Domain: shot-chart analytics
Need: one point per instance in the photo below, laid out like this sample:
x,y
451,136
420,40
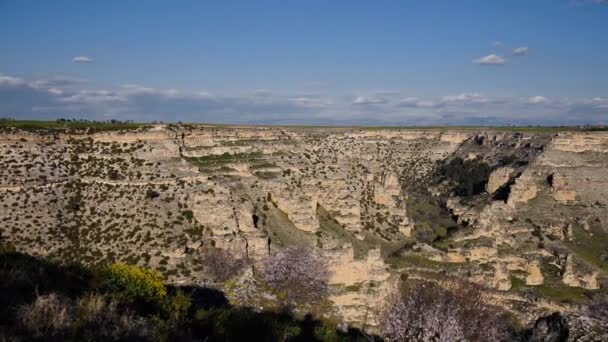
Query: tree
x,y
298,272
452,311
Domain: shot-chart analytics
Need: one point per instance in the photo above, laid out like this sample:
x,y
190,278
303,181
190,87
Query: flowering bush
x,y
132,282
299,273
451,312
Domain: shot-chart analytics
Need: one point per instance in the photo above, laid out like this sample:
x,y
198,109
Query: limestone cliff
x,y
371,199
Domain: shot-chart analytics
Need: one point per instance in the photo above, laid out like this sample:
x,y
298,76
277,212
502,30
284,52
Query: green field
x,y
35,125
108,126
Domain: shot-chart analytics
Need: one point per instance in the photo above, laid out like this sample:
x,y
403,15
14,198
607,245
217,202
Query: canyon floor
x,y
521,212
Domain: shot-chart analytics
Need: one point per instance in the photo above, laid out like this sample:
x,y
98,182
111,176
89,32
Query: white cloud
x,y
538,100
43,99
418,103
57,81
82,59
490,60
11,81
363,100
55,91
521,51
466,98
596,102
94,97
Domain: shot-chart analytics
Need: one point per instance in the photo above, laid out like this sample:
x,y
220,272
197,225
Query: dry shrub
x,y
93,315
47,315
102,317
452,311
298,272
222,265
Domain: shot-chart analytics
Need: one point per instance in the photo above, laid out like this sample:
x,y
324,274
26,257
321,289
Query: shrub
x,y
132,282
176,306
188,214
299,273
97,317
151,194
48,315
451,312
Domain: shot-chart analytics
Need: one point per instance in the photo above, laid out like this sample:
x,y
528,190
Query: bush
x,y
151,194
92,317
451,312
47,316
299,273
176,306
97,317
132,282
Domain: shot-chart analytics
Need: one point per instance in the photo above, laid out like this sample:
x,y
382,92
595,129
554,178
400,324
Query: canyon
x,y
521,212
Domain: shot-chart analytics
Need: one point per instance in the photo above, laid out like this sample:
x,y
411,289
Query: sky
x,y
380,62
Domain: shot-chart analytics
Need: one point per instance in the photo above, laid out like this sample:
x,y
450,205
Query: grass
x,y
106,126
282,231
35,125
555,291
267,175
591,248
330,227
531,129
421,261
225,158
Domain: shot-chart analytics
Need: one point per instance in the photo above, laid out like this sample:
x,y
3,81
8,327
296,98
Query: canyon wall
x,y
370,200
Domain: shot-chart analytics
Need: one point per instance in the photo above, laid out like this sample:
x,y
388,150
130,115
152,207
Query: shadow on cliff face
x,y
432,221
43,301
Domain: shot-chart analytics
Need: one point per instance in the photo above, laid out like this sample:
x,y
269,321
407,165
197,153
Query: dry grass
x,y
93,315
47,315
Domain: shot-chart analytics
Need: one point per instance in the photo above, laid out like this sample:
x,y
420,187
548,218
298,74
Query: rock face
x,y
370,199
499,178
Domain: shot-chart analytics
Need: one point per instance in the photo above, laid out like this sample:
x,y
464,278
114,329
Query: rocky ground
x,y
521,213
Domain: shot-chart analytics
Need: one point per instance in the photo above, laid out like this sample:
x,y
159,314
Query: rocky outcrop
x,y
158,196
499,178
576,278
524,189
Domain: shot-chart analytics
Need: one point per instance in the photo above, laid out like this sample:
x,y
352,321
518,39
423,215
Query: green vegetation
x,y
132,282
592,246
422,262
47,301
467,177
63,125
433,222
226,158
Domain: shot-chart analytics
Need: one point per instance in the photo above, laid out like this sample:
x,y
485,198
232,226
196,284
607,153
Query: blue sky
x,y
307,62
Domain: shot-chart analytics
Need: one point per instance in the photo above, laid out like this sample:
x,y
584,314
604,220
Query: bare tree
x,y
452,312
299,272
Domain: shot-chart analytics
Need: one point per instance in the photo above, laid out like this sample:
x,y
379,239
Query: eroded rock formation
x,y
370,199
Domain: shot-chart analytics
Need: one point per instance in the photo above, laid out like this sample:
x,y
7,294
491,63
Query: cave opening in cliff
x,y
550,180
255,219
